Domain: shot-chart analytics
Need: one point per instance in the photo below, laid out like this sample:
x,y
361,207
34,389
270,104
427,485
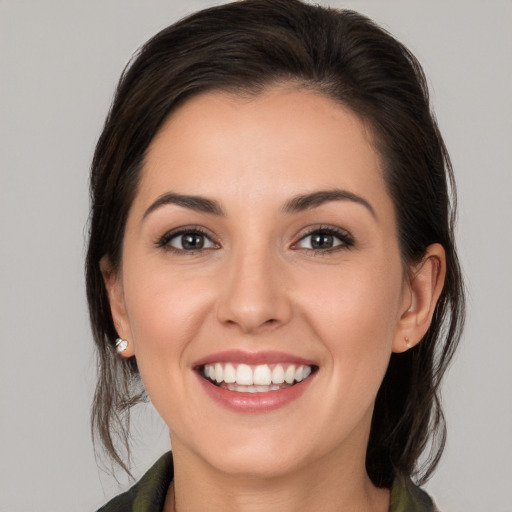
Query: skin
x,y
258,285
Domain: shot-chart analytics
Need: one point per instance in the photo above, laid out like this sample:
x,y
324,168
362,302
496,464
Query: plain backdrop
x,y
59,63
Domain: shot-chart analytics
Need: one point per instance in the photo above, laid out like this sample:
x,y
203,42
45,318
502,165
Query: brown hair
x,y
245,47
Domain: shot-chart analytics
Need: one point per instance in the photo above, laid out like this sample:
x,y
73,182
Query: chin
x,y
259,457
258,464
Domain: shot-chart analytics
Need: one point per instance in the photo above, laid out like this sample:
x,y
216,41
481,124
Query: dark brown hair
x,y
244,47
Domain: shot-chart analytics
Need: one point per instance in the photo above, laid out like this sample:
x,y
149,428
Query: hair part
x,y
244,48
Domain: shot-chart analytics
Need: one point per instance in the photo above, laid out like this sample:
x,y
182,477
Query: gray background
x,y
59,62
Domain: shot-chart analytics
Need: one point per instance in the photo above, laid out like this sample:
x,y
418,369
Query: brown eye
x,y
190,240
322,241
325,240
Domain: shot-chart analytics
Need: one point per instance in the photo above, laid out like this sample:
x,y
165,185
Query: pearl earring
x,y
407,342
121,345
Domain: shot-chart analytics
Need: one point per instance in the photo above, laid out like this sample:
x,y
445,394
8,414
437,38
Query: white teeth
x,y
262,375
219,373
244,375
255,389
260,378
289,375
229,374
278,374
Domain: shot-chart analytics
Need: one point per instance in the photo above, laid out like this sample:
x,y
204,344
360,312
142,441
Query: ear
x,y
424,289
115,295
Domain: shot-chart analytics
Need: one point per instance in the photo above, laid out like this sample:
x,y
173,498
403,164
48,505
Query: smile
x,y
255,382
261,378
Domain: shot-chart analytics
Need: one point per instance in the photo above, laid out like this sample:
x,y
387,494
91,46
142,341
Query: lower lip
x,y
255,402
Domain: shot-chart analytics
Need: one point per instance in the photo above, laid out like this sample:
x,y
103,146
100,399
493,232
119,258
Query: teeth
x,y
289,375
219,372
254,389
262,375
253,379
229,374
278,374
244,375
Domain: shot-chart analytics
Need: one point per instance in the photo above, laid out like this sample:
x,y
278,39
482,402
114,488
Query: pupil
x,y
321,241
192,241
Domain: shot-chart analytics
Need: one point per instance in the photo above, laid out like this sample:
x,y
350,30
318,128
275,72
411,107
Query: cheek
x,y
165,312
355,311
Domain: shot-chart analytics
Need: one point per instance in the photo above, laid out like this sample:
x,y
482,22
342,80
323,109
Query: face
x,y
261,286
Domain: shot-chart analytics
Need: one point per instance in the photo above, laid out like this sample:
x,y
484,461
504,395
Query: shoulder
x,y
148,494
407,497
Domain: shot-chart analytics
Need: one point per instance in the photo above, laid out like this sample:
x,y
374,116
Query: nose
x,y
254,295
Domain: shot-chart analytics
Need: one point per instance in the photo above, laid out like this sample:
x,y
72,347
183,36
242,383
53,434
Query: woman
x,y
271,254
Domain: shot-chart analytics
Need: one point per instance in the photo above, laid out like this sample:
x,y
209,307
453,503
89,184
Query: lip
x,y
252,358
253,402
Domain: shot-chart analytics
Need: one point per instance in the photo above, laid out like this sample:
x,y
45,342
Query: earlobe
x,y
114,291
425,287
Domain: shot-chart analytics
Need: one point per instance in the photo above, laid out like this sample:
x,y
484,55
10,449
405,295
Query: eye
x,y
324,240
187,240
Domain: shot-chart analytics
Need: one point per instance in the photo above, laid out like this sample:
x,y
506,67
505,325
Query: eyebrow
x,y
296,204
197,203
316,199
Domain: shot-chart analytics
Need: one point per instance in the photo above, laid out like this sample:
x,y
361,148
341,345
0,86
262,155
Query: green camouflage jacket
x,y
148,495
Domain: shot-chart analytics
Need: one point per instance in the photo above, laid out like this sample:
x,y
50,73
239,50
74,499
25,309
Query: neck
x,y
324,486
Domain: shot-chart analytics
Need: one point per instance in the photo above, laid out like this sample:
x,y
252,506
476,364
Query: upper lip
x,y
251,358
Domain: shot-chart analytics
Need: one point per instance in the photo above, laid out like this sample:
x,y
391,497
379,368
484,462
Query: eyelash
x,y
164,241
343,236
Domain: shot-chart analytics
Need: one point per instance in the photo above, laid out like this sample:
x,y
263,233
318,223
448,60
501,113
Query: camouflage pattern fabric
x,y
148,494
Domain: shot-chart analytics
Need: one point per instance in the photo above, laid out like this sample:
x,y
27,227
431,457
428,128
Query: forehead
x,y
271,145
